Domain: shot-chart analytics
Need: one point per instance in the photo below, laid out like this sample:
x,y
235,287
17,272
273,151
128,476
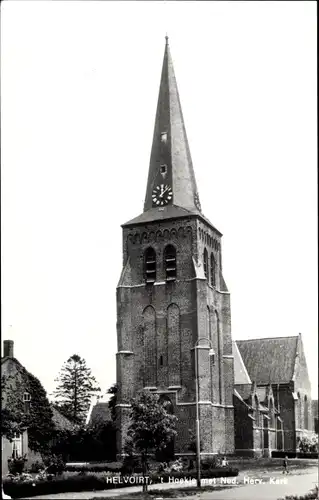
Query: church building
x,y
173,306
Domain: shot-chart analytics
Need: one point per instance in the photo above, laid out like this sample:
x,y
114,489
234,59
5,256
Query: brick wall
x,y
159,324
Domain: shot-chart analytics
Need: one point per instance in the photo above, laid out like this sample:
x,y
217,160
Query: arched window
x,y
212,270
306,411
272,423
257,414
300,424
150,265
170,263
220,358
205,260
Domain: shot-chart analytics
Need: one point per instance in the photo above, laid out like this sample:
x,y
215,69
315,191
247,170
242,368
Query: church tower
x,y
171,293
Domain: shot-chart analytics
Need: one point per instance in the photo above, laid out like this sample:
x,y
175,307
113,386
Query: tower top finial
x,y
166,39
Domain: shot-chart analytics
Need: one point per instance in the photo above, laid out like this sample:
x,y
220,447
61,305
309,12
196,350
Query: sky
x,y
79,87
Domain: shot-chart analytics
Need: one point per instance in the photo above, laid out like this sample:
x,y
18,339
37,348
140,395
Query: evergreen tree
x,y
75,388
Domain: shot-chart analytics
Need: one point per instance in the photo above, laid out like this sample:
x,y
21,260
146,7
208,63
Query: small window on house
x,y
205,259
26,402
26,397
212,270
170,263
161,361
150,265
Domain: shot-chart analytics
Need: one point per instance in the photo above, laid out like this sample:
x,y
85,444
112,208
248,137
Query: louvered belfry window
x,y
150,265
170,263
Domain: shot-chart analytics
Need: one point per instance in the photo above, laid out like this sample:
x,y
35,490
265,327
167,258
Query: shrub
x,y
308,445
309,496
35,467
176,466
54,464
16,465
210,463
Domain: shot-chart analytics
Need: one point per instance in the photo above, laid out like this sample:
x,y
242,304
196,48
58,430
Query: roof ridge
x,y
269,338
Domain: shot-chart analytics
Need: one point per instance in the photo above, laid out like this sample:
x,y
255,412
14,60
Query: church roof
x,y
170,145
171,170
168,212
241,375
269,360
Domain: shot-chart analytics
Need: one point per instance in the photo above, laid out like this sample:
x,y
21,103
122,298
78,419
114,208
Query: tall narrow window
x,y
170,263
205,259
150,265
257,414
212,270
17,446
306,410
299,412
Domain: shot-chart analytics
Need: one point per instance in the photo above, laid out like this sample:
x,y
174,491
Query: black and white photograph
x,y
159,318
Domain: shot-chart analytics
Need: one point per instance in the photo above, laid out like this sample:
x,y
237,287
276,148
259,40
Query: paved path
x,y
297,483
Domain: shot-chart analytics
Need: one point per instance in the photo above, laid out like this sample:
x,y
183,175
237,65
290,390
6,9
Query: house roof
x,y
60,421
7,358
100,413
269,360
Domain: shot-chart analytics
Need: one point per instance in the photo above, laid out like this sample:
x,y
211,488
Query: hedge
x,y
283,454
90,482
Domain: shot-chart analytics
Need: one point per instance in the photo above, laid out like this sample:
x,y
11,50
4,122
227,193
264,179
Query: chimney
x,y
8,348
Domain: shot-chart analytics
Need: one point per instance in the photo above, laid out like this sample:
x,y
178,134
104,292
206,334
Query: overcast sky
x,y
79,86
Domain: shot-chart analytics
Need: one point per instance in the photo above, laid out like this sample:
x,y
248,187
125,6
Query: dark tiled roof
x,y
100,413
270,360
60,421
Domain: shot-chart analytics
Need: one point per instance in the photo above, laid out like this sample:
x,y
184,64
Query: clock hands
x,y
163,192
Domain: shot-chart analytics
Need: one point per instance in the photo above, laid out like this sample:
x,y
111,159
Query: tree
x,y
152,427
113,400
76,385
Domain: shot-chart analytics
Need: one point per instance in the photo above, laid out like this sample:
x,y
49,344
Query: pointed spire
x,y
171,179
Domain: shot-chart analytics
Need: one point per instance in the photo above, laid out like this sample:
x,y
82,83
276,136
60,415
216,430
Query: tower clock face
x,y
162,194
